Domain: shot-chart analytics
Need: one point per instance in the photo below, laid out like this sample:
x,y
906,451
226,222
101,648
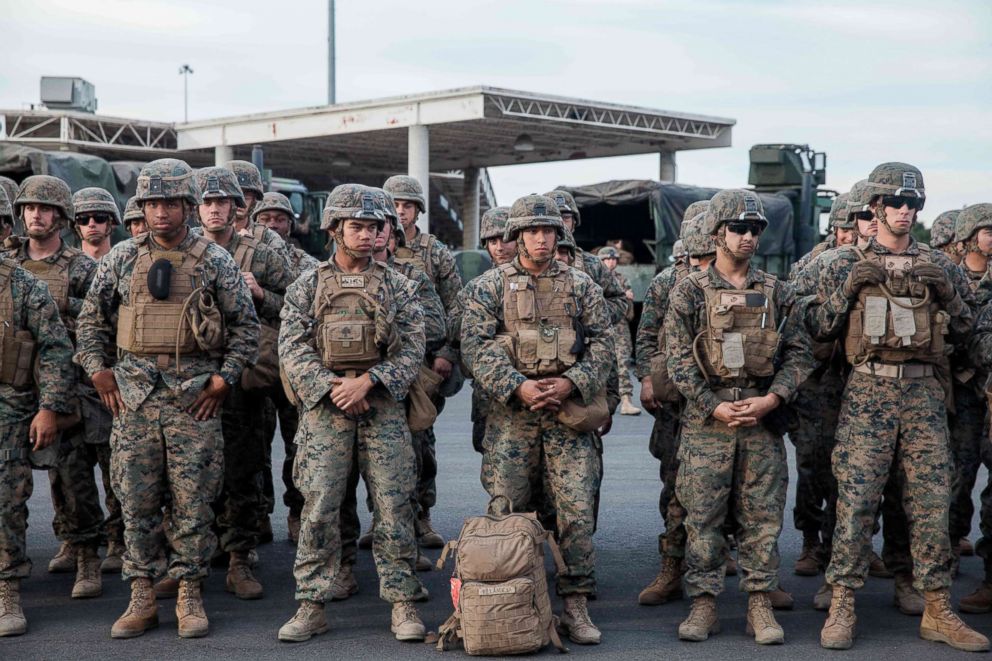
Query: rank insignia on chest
x,y
898,263
732,300
353,281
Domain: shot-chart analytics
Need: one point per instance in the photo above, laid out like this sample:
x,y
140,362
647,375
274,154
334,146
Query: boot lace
x,y
580,616
7,600
761,613
699,614
842,610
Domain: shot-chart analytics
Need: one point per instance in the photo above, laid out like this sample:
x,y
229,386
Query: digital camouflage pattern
x,y
403,187
621,340
249,178
732,204
695,209
167,178
522,447
81,270
971,219
132,211
45,189
566,204
220,183
493,224
6,209
696,242
95,200
446,280
942,230
895,179
839,217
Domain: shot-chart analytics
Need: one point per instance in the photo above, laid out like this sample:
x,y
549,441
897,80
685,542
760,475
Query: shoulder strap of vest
x,y
199,247
244,252
700,278
424,241
258,232
926,253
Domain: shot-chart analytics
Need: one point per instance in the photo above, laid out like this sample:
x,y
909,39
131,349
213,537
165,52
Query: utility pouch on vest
x,y
582,417
18,356
206,323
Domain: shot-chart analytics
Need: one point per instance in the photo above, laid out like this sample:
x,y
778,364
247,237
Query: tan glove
x,y
934,277
862,274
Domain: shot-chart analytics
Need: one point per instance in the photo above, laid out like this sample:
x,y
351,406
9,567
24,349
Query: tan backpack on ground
x,y
499,587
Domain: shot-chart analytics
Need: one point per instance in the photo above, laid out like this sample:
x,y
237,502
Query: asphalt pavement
x,y
627,559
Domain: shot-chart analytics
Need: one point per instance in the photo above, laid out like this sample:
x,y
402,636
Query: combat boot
x,y
965,547
89,581
907,599
141,614
781,600
114,562
406,623
192,618
64,561
293,528
576,622
627,407
12,620
942,625
667,585
240,579
426,535
702,621
344,584
167,588
809,562
979,601
365,541
423,562
840,628
821,600
877,568
308,621
761,620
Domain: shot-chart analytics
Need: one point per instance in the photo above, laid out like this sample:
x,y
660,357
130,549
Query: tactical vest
x,y
418,253
351,327
147,325
244,252
899,321
17,346
55,275
538,322
740,334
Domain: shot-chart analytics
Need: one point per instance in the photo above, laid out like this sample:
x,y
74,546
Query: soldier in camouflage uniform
x,y
610,258
431,256
10,188
942,235
892,303
186,328
351,345
134,218
44,204
6,217
244,414
736,353
31,328
536,337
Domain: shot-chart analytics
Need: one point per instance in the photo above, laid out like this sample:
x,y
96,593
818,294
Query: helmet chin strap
x,y
880,215
721,243
56,227
339,241
522,249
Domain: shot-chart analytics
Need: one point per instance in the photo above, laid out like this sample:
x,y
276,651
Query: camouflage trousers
x,y
721,470
327,441
984,546
525,448
279,410
16,486
161,452
892,425
664,446
967,433
622,347
240,503
425,447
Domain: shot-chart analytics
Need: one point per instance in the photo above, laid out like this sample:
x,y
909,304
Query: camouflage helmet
x,y
388,208
858,198
691,211
132,211
351,201
971,219
697,243
839,218
896,179
249,178
493,224
943,230
566,204
567,241
272,201
608,252
45,189
95,200
9,187
165,179
405,188
678,249
733,204
533,211
6,212
217,182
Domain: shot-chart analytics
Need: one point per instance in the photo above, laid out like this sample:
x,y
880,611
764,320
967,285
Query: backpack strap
x,y
554,637
449,633
555,552
451,546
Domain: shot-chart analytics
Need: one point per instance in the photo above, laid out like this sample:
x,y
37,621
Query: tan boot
x,y
309,621
365,541
167,588
141,614
761,620
64,561
12,620
808,563
89,582
907,599
781,600
877,568
965,547
821,600
344,585
942,625
627,407
192,618
293,528
979,601
426,535
240,578
113,563
841,626
666,586
576,622
406,623
702,621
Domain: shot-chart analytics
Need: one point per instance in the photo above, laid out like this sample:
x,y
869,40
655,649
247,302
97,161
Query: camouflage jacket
x,y
137,375
686,318
447,283
435,328
35,311
488,362
616,300
652,318
299,357
302,261
81,269
272,240
828,244
826,319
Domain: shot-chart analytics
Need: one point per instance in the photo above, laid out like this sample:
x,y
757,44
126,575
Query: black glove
x,y
863,273
934,276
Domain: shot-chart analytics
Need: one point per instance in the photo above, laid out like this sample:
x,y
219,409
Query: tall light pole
x,y
184,71
330,53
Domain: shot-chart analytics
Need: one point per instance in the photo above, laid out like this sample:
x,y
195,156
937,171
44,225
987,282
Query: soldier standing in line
x,y
10,187
610,258
134,218
186,328
893,302
536,337
351,345
942,235
31,329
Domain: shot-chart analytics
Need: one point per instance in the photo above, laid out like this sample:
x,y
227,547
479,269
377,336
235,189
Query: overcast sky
x,y
865,81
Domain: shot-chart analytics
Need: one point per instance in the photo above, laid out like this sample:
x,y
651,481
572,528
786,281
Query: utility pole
x,y
184,71
330,53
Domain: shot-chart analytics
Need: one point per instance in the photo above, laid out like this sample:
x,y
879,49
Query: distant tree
x,y
921,233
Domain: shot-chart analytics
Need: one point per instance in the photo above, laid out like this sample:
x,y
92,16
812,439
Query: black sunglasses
x,y
743,228
101,219
897,201
863,215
